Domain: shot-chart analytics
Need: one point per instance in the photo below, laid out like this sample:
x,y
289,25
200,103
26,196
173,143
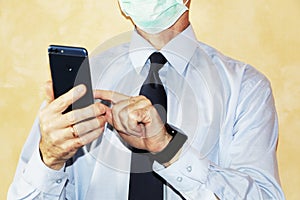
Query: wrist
x,y
162,142
50,162
171,148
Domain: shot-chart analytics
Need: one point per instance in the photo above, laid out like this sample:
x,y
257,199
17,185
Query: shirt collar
x,y
178,51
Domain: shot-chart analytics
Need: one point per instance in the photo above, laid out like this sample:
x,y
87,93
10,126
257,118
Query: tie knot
x,y
158,58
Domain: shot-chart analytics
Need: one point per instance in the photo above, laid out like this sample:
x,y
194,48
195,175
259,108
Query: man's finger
x,y
111,96
61,103
82,114
88,137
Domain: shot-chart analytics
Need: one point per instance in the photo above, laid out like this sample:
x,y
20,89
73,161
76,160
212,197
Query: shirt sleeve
x,y
250,167
33,179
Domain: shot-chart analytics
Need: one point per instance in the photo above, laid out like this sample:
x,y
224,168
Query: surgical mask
x,y
153,16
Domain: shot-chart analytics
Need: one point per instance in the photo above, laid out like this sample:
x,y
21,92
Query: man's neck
x,y
159,40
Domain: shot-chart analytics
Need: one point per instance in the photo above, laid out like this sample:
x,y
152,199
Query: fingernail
x,y
80,89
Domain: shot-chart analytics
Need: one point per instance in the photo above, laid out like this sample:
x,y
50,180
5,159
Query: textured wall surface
x,y
264,34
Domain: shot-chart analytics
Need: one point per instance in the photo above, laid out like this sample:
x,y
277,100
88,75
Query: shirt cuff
x,y
46,180
188,173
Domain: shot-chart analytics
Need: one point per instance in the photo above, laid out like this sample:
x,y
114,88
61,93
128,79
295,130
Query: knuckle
x,y
132,125
53,140
87,113
79,142
99,122
132,115
42,116
66,148
42,124
142,97
134,99
145,100
146,111
71,117
44,128
97,109
90,112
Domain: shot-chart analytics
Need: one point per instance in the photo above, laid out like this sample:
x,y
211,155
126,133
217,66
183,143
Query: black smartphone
x,y
69,67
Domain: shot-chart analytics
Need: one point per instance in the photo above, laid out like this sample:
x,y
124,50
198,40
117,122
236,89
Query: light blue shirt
x,y
224,106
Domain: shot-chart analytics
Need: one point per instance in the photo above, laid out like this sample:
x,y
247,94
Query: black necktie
x,y
144,183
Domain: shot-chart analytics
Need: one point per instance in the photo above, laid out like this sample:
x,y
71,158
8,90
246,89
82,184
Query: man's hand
x,y
63,134
136,120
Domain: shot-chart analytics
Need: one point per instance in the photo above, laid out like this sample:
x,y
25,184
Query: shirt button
x,y
179,179
58,181
189,168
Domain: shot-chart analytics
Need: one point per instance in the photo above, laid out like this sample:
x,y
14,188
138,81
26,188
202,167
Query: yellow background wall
x,y
262,33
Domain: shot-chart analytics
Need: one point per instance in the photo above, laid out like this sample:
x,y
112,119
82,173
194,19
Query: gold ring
x,y
73,131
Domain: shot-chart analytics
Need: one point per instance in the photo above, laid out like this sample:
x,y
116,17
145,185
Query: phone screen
x,y
70,67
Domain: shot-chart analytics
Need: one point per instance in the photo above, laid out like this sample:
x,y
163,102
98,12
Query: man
x,y
214,139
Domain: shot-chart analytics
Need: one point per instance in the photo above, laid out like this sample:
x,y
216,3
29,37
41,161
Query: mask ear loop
x,y
186,2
